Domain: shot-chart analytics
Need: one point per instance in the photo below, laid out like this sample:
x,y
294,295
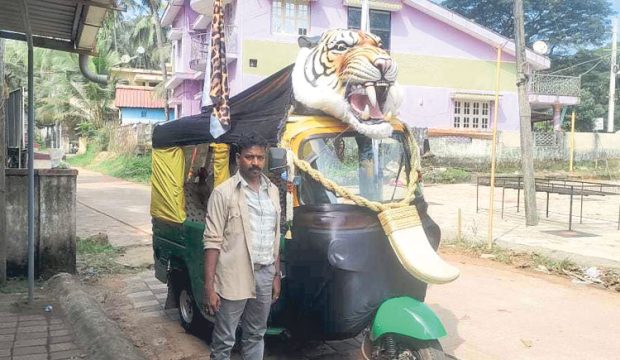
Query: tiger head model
x,y
350,77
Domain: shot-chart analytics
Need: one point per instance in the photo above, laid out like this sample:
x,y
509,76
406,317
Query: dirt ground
x,y
160,336
493,311
467,312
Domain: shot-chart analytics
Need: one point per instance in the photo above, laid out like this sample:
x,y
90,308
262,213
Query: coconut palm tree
x,y
123,35
152,9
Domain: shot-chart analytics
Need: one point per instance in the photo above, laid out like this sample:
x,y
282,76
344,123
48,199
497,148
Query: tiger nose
x,y
383,64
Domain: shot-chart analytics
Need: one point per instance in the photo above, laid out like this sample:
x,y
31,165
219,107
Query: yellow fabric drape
x,y
221,170
167,197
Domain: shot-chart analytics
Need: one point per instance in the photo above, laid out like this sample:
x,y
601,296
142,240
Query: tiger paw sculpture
x,y
348,75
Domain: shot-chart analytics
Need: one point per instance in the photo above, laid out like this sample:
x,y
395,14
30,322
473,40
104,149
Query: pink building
x,y
447,63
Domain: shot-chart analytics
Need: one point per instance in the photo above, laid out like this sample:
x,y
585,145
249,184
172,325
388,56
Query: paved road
x,y
491,311
113,206
594,241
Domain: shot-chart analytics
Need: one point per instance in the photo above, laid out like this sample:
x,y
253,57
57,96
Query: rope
x,y
362,201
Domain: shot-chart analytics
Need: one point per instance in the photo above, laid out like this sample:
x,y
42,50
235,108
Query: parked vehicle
x,y
341,275
358,247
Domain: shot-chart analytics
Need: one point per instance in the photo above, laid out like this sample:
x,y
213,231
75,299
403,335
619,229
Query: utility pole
x,y
612,74
525,117
3,239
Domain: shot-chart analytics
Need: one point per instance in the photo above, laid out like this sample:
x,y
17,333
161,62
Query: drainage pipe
x,y
100,79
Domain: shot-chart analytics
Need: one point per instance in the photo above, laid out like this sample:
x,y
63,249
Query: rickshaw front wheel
x,y
404,348
420,350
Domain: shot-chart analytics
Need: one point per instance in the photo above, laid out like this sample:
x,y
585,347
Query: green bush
x,y
129,167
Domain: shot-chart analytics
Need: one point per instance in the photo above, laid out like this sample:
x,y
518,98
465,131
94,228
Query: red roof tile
x,y
137,98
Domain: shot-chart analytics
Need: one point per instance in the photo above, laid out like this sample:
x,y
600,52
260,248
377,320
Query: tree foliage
x,y
124,34
62,94
564,24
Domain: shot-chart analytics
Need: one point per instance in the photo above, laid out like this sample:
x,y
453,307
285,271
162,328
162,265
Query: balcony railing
x,y
544,84
200,47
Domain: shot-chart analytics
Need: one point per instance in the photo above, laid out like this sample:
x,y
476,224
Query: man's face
x,y
251,162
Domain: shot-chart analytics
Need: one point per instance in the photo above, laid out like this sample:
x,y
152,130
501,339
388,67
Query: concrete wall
x,y
55,203
477,152
131,138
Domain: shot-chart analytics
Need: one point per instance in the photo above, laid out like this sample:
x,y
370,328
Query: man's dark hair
x,y
249,140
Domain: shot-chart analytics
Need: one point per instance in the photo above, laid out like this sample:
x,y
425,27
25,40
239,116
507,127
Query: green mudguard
x,y
406,316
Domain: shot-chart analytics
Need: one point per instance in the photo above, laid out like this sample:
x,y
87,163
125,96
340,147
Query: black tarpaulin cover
x,y
261,109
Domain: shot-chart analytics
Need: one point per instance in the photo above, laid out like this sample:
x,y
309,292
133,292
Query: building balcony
x,y
171,11
554,89
177,79
205,7
200,53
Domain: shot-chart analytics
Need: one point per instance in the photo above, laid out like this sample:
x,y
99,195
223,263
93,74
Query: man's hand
x,y
211,300
276,288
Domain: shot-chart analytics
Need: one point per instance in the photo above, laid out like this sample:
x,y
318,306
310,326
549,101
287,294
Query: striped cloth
x,y
262,222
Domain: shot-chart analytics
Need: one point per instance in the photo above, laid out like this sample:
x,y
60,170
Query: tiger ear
x,y
308,42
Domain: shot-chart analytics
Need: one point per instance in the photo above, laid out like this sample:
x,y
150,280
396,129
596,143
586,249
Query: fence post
x,y
572,141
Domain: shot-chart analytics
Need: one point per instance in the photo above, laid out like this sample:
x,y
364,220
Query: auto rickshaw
x,y
358,246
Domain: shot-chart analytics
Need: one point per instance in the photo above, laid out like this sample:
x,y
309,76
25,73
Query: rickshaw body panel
x,y
340,269
179,249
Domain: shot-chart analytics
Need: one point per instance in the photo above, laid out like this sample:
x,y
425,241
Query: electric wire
x,y
592,68
575,65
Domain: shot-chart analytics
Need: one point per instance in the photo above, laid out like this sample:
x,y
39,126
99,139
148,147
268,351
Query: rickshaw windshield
x,y
375,169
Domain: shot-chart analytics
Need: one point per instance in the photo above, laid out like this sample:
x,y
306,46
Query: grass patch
x,y
609,279
128,167
448,175
93,246
95,256
83,160
456,169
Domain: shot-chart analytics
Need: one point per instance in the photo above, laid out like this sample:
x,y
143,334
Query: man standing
x,y
242,241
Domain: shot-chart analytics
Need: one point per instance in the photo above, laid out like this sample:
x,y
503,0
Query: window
x,y
471,114
376,170
143,113
380,23
290,17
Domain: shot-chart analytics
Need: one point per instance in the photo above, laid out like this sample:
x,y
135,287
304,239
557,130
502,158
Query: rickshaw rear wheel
x,y
191,318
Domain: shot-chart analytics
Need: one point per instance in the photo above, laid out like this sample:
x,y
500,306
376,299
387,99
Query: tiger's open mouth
x,y
368,101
